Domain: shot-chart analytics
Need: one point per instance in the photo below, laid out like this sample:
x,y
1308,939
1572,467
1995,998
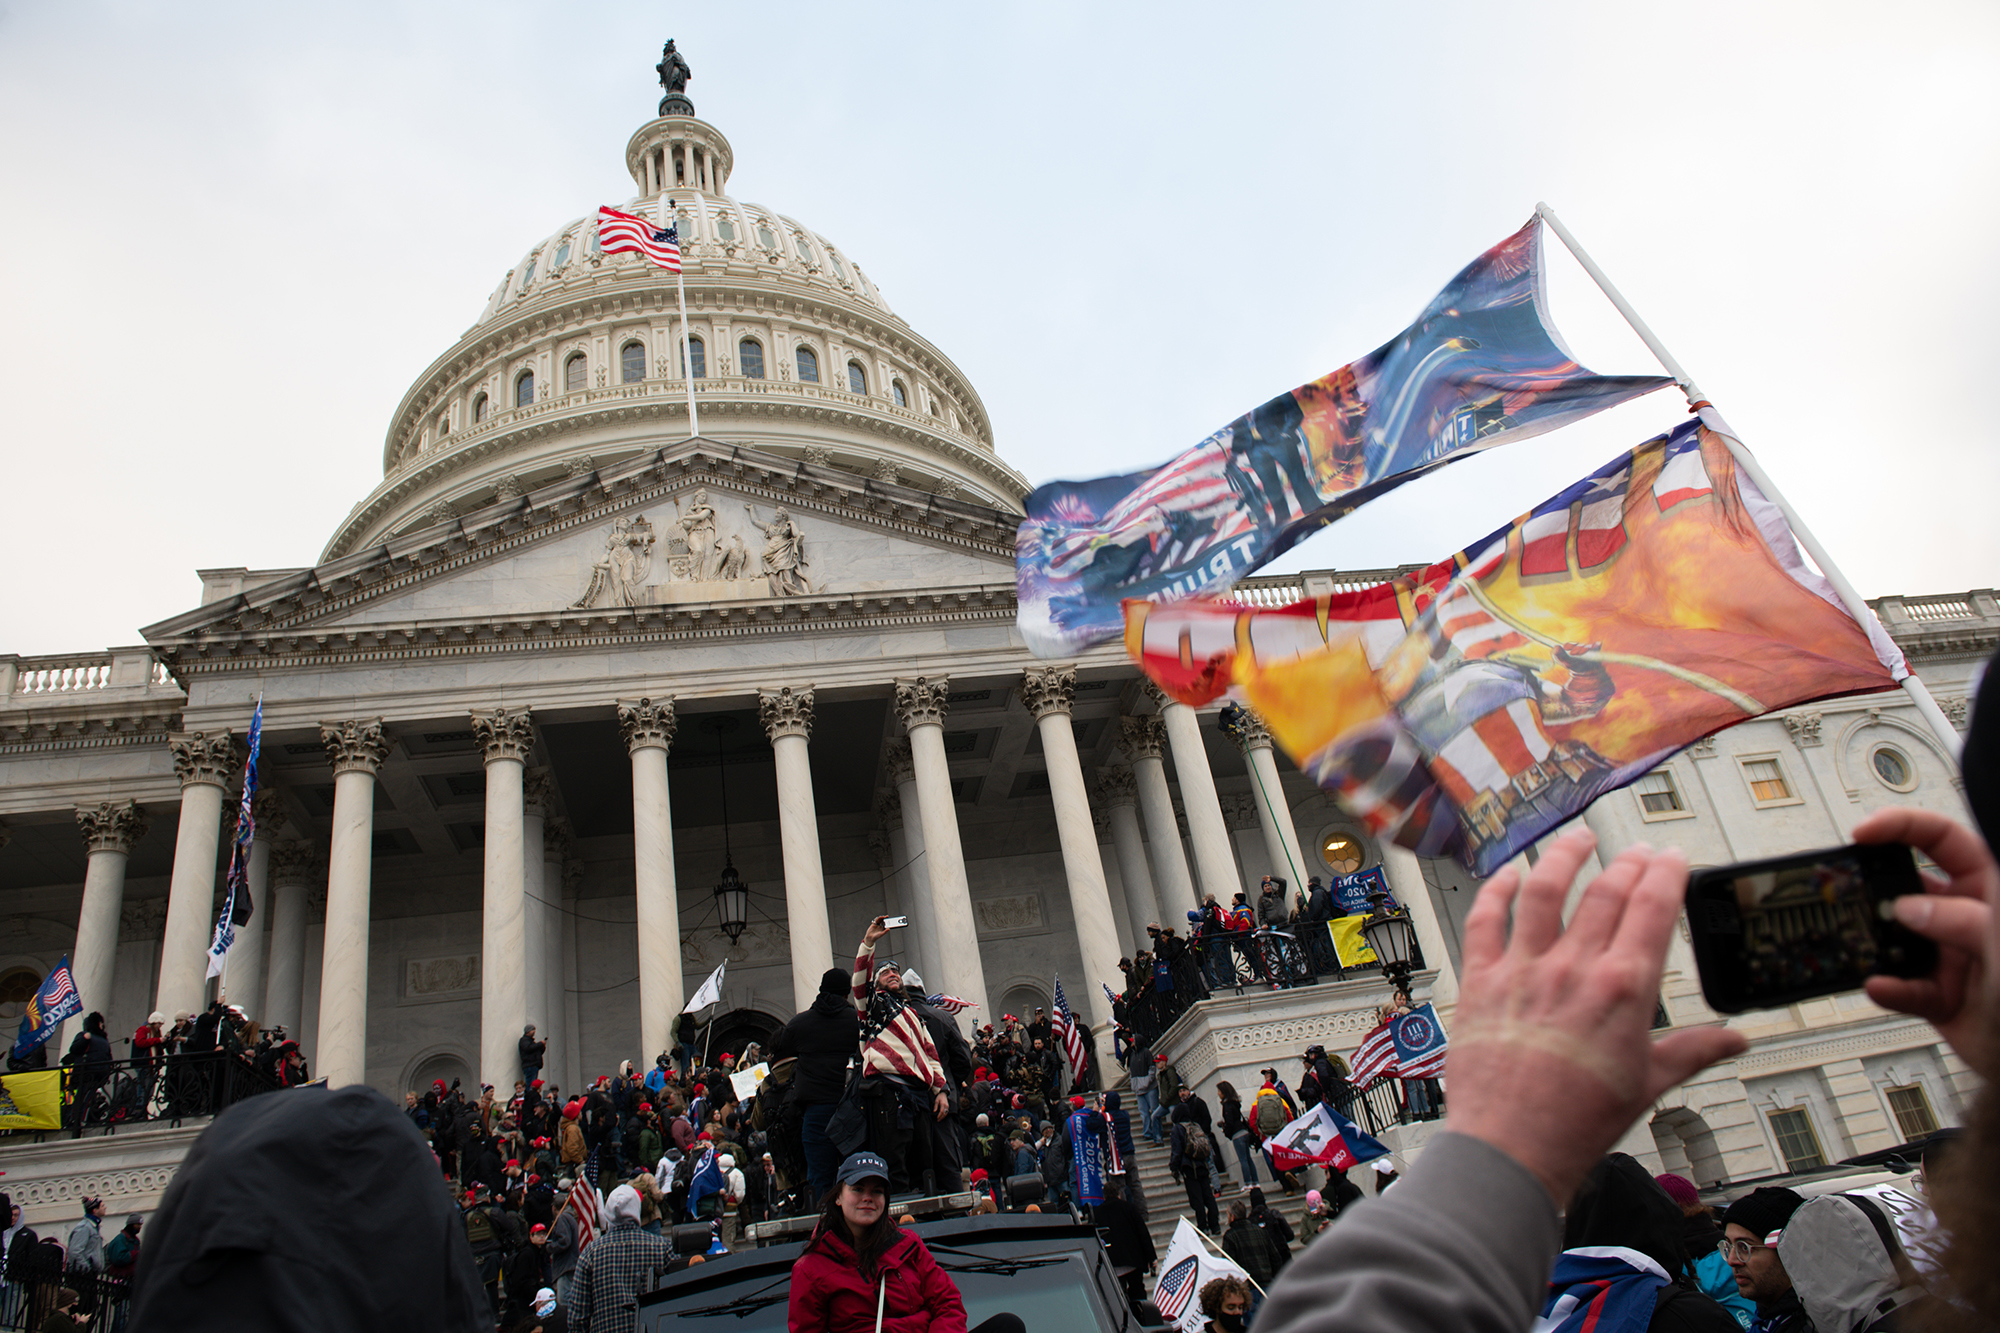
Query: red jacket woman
x,y
858,1257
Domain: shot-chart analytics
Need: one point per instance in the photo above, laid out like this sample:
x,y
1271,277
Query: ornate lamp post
x,y
1393,937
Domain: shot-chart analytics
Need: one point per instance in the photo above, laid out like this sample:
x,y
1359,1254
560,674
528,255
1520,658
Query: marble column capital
x,y
111,826
504,733
1247,730
202,759
268,807
786,712
922,701
889,808
1161,699
556,838
572,877
1117,786
647,723
537,785
902,764
292,862
1143,737
355,746
1048,690
879,848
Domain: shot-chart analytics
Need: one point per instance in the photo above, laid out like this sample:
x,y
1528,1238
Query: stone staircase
x,y
1167,1203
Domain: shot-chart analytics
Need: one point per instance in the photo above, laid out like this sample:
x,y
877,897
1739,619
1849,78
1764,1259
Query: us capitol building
x,y
569,675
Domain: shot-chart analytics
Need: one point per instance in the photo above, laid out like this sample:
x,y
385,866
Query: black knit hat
x,y
835,982
1765,1210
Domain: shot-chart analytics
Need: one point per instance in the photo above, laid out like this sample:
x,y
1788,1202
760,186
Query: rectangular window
x,y
1657,793
1796,1140
1767,781
1913,1111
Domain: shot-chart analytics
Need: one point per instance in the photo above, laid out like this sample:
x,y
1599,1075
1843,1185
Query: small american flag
x,y
1377,1056
1177,1287
583,1202
627,233
1110,995
951,1004
1064,1029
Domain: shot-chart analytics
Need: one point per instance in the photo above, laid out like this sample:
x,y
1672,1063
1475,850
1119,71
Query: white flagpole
x,y
687,361
1926,706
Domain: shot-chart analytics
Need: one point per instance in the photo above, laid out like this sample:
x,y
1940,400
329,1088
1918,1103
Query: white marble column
x,y
1048,692
1406,882
648,727
787,715
1213,863
1118,794
554,1002
1267,790
506,735
909,828
244,975
285,977
203,763
1144,738
920,703
109,830
355,750
572,1052
537,788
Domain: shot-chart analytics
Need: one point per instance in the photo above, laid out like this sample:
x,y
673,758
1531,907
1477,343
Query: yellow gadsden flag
x,y
1348,941
31,1101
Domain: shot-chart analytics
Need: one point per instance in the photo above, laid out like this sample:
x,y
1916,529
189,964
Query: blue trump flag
x,y
55,1001
706,1181
1350,892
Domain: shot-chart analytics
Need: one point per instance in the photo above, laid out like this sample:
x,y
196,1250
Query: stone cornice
x,y
57,736
578,503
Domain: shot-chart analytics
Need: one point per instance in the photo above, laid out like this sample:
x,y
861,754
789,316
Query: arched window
x,y
750,357
896,387
839,269
804,250
857,378
632,362
576,374
562,256
931,403
528,274
444,424
699,355
808,366
524,389
479,408
767,238
725,227
686,227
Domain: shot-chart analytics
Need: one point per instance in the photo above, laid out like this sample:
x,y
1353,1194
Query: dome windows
x,y
686,227
576,374
839,269
857,378
632,362
767,238
750,358
896,389
808,365
804,251
528,274
725,227
697,353
524,389
479,409
562,256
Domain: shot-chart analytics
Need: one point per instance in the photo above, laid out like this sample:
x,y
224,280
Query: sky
x,y
237,232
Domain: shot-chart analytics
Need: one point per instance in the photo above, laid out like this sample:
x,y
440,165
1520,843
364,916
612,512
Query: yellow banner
x,y
1348,941
31,1101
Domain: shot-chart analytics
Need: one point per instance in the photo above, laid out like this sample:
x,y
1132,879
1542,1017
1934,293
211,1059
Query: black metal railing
x,y
103,1302
1395,1101
142,1091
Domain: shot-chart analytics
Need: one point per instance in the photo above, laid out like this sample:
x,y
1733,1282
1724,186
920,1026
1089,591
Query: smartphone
x,y
1770,933
895,922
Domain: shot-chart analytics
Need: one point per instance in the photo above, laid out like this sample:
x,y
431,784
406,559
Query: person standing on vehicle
x,y
902,1075
860,1271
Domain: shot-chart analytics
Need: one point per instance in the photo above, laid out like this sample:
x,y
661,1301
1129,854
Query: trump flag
x,y
1479,366
1473,706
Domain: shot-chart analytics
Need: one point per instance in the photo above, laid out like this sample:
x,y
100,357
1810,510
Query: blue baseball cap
x,y
863,1166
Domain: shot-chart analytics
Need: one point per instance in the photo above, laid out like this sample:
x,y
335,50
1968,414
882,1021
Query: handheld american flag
x,y
951,1004
1376,1057
626,233
1064,1028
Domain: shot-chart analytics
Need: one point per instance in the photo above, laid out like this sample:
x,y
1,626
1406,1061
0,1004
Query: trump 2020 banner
x,y
1479,366
1475,705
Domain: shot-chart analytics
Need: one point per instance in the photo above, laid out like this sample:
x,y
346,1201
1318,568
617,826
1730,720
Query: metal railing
x,y
140,1092
103,1302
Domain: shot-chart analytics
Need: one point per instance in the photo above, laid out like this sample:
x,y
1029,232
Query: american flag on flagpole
x,y
1064,1028
951,1004
627,233
583,1202
1376,1057
1110,995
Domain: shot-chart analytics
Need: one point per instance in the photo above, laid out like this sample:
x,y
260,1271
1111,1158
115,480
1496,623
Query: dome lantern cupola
x,y
676,151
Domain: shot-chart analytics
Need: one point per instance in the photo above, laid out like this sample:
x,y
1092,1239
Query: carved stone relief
x,y
432,978
761,942
708,555
998,916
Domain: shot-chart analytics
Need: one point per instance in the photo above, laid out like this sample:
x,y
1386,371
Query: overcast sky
x,y
237,232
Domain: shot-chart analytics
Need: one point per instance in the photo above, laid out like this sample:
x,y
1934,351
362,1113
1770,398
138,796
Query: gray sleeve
x,y
1463,1244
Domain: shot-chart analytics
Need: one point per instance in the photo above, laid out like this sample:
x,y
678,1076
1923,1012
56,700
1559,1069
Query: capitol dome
x,y
575,363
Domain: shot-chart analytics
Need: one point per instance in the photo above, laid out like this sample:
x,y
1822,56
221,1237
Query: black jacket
x,y
1253,1249
242,1240
823,1038
1126,1237
531,1055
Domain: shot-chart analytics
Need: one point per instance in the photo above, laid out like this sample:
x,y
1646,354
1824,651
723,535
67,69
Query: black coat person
x,y
308,1210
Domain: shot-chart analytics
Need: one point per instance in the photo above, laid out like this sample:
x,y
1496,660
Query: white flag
x,y
710,992
1188,1266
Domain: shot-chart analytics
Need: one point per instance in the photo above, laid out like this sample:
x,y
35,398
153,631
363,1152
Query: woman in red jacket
x,y
860,1271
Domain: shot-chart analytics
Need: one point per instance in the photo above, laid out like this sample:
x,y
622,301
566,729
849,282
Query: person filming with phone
x,y
1553,1059
903,1077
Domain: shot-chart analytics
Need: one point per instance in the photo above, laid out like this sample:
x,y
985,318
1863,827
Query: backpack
x,y
480,1232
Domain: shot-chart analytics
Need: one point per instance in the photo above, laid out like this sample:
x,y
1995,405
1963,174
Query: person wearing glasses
x,y
1749,1230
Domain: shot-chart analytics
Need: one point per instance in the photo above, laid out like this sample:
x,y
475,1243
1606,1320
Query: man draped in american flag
x,y
1064,1028
900,1071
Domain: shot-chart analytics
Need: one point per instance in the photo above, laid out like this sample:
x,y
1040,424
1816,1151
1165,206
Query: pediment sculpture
x,y
708,557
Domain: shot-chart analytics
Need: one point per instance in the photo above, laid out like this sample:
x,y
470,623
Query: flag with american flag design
x,y
1475,705
627,233
951,1004
894,1039
589,1210
1375,1057
1065,1029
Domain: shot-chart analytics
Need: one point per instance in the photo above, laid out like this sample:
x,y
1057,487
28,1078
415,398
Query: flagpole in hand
x,y
1920,695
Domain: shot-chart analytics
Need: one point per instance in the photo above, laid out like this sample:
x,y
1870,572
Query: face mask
x,y
1231,1323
